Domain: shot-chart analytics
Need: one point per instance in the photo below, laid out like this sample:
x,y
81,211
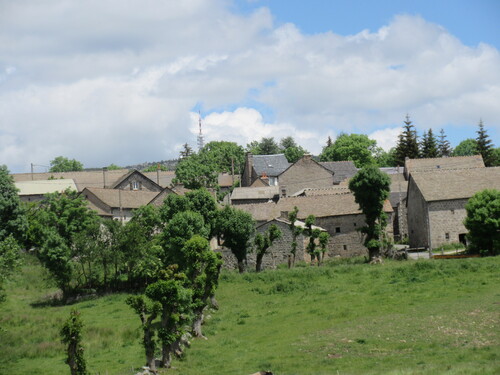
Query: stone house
x,y
304,173
135,180
336,211
267,166
342,170
436,203
116,203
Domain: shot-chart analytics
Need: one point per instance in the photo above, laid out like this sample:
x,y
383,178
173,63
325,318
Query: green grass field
x,y
415,317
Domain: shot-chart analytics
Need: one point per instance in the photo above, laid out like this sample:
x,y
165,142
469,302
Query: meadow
x,y
346,317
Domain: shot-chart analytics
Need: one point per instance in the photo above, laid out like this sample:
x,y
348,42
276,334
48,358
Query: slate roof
x,y
264,192
319,206
341,169
270,165
456,184
455,162
42,187
129,198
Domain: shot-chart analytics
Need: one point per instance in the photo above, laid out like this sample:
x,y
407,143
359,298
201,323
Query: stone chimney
x,y
247,176
158,173
104,172
307,157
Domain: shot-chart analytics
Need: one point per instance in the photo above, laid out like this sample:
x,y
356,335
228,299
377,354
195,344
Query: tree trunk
x,y
166,356
258,263
241,266
150,349
373,253
213,302
198,321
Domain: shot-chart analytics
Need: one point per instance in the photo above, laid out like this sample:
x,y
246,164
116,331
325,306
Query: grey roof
x,y
342,170
264,192
270,165
455,184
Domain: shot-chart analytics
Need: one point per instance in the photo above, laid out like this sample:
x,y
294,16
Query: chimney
x,y
104,172
284,215
248,169
158,173
307,157
283,191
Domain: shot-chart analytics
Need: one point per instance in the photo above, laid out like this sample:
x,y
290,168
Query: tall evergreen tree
x,y
485,146
429,147
407,143
444,148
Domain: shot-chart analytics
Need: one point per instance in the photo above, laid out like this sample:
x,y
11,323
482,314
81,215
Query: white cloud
x,y
386,138
117,82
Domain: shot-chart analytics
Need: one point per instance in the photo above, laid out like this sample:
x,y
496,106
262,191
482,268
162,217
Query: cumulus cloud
x,y
114,82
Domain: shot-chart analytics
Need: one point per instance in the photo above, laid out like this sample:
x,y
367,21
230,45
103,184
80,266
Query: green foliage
x,y
154,168
9,261
266,146
429,146
407,143
467,147
113,167
202,169
71,335
483,222
186,151
484,146
384,158
235,227
63,164
371,188
264,241
292,151
12,218
356,147
296,231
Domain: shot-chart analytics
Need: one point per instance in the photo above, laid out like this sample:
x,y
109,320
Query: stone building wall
x,y
446,220
276,254
305,173
142,182
418,227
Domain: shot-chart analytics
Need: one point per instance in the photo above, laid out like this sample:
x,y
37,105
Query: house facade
x,y
436,203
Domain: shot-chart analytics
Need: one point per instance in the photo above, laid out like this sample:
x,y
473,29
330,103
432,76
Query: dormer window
x,y
136,185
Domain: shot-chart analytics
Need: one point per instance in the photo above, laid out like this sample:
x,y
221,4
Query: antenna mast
x,y
201,142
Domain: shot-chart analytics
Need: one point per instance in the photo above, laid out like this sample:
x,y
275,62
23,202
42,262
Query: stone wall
x,y
276,254
305,173
446,221
418,227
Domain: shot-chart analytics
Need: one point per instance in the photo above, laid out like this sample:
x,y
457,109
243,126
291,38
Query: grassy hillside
x,y
416,317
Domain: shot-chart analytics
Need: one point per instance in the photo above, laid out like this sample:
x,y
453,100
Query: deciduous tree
x,y
263,242
356,147
71,335
371,188
63,164
12,217
467,147
483,222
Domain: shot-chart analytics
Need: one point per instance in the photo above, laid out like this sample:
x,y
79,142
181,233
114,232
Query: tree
x,y
266,146
71,335
329,142
63,164
113,167
485,146
467,147
407,143
444,148
155,167
186,151
293,154
236,227
12,217
384,158
9,261
428,146
194,172
263,242
483,222
356,147
296,231
324,237
148,312
313,234
175,298
371,188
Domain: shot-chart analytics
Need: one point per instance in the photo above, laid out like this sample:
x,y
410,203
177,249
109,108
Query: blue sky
x,y
122,81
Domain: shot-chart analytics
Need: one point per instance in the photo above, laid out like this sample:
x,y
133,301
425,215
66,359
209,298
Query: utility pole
x,y
201,142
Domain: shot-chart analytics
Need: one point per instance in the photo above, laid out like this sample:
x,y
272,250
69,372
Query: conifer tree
x,y
444,148
407,143
484,145
429,148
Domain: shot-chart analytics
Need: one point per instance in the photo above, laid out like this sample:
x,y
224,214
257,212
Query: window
x,y
447,236
452,212
354,224
345,247
337,230
135,185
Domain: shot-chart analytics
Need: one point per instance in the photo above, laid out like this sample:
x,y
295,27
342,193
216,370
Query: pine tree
x,y
484,145
329,141
444,148
407,143
429,148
